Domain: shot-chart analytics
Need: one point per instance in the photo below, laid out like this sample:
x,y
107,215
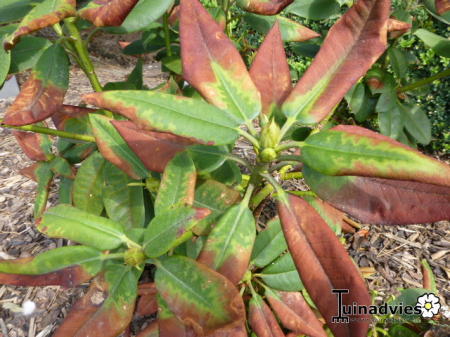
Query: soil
x,y
392,253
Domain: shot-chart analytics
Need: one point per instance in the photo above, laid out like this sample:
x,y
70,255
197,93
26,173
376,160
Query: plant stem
x,y
250,138
291,175
167,34
424,81
260,196
290,158
289,145
48,131
80,47
248,194
303,193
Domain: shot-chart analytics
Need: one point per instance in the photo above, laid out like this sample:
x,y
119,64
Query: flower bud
x,y
267,155
270,135
134,257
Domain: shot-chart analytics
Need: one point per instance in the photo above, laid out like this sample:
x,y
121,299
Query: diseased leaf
x,y
282,274
353,150
155,149
115,149
123,203
382,201
428,278
177,184
44,177
107,308
191,289
230,243
270,71
65,266
169,324
291,31
147,304
261,318
180,115
62,168
352,45
43,93
442,6
27,52
152,330
73,118
88,185
45,14
36,146
323,264
294,313
65,221
265,7
333,217
170,228
107,12
269,244
212,64
397,28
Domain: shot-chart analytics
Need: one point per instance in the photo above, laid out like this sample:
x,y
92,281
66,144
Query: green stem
x,y
248,194
260,196
114,256
250,138
48,131
167,34
424,81
292,175
80,47
290,158
303,193
289,145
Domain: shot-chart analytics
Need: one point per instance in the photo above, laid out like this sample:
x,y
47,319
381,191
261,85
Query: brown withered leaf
x,y
107,12
151,331
155,149
30,171
270,71
147,304
264,7
67,112
294,313
442,6
35,145
323,264
262,320
397,28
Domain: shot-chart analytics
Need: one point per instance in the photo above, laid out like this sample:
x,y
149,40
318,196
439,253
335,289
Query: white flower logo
x,y
429,304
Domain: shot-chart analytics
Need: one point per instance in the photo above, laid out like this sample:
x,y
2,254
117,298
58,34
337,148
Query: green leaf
x,y
230,243
179,115
65,191
13,10
207,158
124,204
5,61
65,221
43,93
282,274
314,9
269,244
401,331
417,123
65,266
291,31
390,117
44,178
88,185
352,150
361,105
108,306
45,14
27,52
191,289
229,173
439,44
409,297
142,15
115,149
177,184
399,61
133,82
61,167
169,229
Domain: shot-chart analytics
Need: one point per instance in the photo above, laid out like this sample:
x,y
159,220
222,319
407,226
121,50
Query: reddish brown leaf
x,y
35,145
262,320
442,6
270,71
238,331
30,171
107,12
323,264
264,7
151,331
397,28
147,304
155,149
34,103
294,313
67,112
382,201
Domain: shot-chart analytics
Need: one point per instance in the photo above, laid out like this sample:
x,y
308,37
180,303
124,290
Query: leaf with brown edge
x,y
169,324
65,266
442,6
230,243
213,65
155,149
36,146
264,7
107,12
352,45
397,28
191,289
428,278
43,93
332,216
152,330
107,308
382,201
323,264
261,318
147,304
30,171
294,313
47,13
270,71
68,112
352,150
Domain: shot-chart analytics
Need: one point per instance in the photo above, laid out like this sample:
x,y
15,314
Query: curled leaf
x,y
36,146
262,320
270,71
264,7
107,12
397,28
